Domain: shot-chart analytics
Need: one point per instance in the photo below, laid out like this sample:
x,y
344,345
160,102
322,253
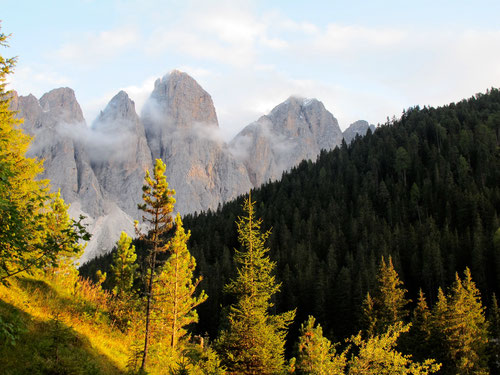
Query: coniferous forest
x,y
380,257
423,191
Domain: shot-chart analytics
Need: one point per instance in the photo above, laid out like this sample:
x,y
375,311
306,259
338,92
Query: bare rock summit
x,y
359,127
120,154
295,130
182,129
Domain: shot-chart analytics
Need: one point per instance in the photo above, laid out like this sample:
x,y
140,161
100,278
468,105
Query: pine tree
x,y
388,305
316,354
123,267
175,289
158,207
254,341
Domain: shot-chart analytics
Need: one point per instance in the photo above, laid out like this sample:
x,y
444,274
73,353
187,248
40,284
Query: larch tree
x,y
377,355
170,286
437,328
175,289
35,229
254,340
464,328
157,207
388,304
421,329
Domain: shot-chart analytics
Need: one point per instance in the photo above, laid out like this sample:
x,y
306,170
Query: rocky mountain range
x,y
100,169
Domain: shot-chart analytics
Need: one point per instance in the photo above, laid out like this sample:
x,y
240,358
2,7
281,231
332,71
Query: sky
x,y
363,59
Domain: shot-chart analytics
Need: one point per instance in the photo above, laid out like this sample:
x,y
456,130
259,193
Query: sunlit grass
x,y
79,312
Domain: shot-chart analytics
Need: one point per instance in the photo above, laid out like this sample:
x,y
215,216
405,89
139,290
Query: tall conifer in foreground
x,y
254,340
158,207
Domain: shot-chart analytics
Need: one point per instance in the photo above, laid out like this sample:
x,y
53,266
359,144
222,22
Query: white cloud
x,y
94,48
138,93
195,71
340,41
224,34
36,80
258,92
250,58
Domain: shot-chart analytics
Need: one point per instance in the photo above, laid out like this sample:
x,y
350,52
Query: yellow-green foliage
x,y
460,327
61,325
124,266
174,292
255,338
387,306
316,354
377,355
34,225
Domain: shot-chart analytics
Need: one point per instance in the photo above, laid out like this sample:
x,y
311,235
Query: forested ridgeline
x,y
424,189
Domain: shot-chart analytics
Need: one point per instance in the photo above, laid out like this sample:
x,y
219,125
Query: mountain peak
x,y
179,101
122,103
174,78
119,111
62,105
301,101
297,129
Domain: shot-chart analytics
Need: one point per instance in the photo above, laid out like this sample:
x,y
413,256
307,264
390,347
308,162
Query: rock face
x,y
120,154
177,103
359,127
57,124
182,130
295,130
100,170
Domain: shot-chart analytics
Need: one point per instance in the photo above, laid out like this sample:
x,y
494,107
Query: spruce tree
x,y
124,267
437,327
316,354
254,341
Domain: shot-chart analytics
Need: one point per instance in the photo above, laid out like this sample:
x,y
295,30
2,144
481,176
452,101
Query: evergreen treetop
x,y
254,340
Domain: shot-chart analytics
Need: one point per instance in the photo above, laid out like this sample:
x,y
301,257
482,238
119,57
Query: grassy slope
x,y
63,330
